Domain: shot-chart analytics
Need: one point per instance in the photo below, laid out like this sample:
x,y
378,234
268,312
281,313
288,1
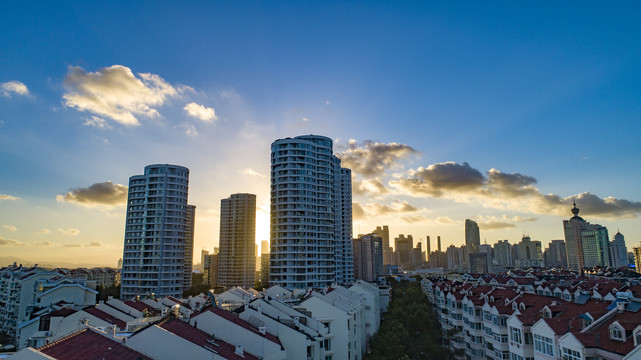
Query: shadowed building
x,y
237,242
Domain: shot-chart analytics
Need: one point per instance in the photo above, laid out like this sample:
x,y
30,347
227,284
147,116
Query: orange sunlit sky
x,y
501,112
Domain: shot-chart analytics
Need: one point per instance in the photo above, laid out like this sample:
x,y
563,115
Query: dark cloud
x,y
589,205
372,159
436,179
511,185
105,193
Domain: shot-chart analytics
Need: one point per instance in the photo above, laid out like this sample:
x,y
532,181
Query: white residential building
x,y
155,233
311,215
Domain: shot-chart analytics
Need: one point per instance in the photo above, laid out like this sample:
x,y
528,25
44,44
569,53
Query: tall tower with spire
x,y
572,229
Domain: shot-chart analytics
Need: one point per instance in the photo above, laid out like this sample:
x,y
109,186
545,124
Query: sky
x,y
500,112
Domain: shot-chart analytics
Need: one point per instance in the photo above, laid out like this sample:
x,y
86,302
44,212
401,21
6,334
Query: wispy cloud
x,y
4,241
10,228
13,87
202,112
69,231
44,231
94,244
105,193
8,197
190,129
116,93
251,172
97,122
445,220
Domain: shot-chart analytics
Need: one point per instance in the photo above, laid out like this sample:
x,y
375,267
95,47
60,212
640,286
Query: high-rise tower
x,y
154,249
311,214
237,256
586,244
472,236
189,245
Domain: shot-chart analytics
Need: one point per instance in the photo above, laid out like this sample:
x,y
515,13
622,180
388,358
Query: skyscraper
x,y
155,232
237,256
311,214
619,251
472,236
586,244
555,255
368,257
383,232
503,253
189,245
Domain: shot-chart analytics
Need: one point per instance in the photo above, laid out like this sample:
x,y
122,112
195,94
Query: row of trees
x,y
410,328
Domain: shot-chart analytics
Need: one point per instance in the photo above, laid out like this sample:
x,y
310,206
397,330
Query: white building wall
x,y
161,344
341,335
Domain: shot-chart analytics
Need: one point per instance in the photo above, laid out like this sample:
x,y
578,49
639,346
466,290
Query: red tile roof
x,y
106,317
89,345
64,312
201,338
141,306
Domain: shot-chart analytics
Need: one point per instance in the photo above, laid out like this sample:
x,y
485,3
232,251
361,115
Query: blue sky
x,y
544,93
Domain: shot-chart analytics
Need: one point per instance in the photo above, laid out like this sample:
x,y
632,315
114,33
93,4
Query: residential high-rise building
x,y
388,251
481,263
528,253
264,247
155,232
503,253
619,251
438,242
210,266
368,257
472,236
311,214
428,250
596,246
403,249
637,258
237,242
555,255
189,245
586,244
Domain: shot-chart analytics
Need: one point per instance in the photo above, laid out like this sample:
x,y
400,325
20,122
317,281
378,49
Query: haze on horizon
x,y
499,112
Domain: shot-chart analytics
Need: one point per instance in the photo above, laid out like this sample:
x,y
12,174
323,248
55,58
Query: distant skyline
x,y
499,112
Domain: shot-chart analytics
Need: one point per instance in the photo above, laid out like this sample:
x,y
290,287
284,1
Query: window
x,y
544,345
514,356
515,335
328,344
616,333
569,354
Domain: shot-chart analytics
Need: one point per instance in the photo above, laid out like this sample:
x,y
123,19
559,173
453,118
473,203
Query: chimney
x,y
239,350
620,306
262,330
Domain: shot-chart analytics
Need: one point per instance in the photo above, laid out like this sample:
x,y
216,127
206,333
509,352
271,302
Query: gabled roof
x,y
89,345
201,338
106,317
229,316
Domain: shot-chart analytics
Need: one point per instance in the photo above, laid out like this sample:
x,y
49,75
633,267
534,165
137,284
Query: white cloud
x,y
8,197
13,87
115,92
97,122
190,129
10,228
201,112
70,231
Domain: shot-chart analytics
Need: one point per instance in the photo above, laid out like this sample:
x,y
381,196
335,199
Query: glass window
x,y
515,335
569,354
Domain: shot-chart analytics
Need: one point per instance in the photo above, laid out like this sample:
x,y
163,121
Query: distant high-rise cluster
x,y
156,232
311,214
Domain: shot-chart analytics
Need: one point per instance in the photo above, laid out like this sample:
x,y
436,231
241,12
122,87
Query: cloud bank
x,y
105,193
512,191
8,197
